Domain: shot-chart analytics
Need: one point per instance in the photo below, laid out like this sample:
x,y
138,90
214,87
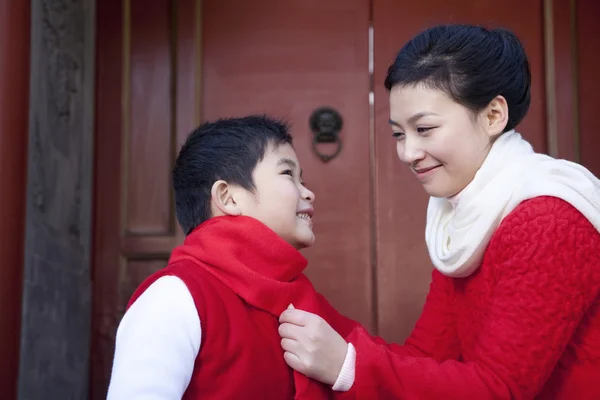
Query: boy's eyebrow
x,y
289,162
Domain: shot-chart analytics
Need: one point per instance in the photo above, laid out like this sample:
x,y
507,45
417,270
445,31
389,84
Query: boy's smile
x,y
306,215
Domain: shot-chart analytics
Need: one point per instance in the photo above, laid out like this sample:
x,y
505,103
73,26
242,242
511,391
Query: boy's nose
x,y
308,195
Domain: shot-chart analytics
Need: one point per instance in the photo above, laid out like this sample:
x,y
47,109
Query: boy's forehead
x,y
283,154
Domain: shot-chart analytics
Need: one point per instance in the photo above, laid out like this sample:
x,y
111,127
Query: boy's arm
x,y
157,343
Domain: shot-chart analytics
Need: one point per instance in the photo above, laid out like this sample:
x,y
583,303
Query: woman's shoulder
x,y
548,247
546,211
546,224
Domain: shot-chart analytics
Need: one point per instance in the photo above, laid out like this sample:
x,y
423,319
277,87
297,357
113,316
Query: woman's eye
x,y
424,129
398,135
287,172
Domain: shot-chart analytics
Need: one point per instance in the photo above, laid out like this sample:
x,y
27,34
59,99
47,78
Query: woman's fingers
x,y
293,361
290,345
290,331
295,316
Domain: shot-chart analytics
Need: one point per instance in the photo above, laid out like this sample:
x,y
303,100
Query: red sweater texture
x,y
526,325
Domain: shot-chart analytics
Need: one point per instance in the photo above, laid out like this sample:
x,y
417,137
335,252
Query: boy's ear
x,y
223,200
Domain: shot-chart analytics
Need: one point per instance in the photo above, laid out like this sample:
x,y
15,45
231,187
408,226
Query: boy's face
x,y
280,200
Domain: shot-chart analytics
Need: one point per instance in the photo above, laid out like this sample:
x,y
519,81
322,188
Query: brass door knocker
x,y
326,124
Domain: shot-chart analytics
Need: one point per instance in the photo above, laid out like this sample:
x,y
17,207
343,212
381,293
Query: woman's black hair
x,y
471,64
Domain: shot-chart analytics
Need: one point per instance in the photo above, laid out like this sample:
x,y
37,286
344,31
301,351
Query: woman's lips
x,y
423,173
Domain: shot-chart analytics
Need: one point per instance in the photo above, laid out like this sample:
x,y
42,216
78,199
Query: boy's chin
x,y
304,242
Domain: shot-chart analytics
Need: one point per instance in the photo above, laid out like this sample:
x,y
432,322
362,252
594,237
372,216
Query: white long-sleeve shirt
x,y
158,341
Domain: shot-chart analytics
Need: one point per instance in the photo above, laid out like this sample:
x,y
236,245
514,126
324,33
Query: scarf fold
x,y
261,268
458,234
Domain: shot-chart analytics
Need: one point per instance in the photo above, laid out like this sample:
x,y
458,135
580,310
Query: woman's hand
x,y
312,347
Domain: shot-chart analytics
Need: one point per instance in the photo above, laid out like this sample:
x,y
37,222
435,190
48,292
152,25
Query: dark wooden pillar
x,y
14,100
55,323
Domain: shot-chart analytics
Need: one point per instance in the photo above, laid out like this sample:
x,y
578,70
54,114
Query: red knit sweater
x,y
525,325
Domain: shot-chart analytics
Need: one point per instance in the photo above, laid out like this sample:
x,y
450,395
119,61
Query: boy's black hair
x,y
227,149
471,64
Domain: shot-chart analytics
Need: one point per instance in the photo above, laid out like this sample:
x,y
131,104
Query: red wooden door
x,y
163,66
160,72
587,42
286,59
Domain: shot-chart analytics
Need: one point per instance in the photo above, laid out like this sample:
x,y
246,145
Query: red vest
x,y
240,355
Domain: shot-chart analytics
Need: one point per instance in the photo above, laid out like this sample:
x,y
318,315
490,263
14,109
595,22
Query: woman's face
x,y
442,142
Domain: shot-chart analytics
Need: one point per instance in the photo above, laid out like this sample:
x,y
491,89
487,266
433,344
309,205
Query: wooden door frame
x,y
112,245
14,121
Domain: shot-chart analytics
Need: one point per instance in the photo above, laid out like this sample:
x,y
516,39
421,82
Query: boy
x,y
206,326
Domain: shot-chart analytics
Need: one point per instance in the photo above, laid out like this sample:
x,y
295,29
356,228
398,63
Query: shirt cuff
x,y
345,379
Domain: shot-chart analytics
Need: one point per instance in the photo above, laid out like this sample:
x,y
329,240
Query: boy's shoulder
x,y
204,287
183,272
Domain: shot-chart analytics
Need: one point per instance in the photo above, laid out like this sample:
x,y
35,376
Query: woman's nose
x,y
409,150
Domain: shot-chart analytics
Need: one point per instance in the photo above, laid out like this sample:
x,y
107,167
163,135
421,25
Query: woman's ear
x,y
496,116
222,199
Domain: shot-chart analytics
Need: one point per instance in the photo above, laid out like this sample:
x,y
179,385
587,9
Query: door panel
x,y
588,40
147,102
286,59
147,198
403,265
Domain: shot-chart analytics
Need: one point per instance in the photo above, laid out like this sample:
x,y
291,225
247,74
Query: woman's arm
x,y
434,335
157,344
548,278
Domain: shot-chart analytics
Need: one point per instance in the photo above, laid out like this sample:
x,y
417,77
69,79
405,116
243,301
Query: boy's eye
x,y
288,172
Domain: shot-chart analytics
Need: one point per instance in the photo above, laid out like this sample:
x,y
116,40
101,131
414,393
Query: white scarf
x,y
458,232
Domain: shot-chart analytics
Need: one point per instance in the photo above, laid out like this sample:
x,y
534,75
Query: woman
x,y
514,307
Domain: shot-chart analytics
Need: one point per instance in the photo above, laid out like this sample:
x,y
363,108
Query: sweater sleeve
x,y
548,274
157,343
434,334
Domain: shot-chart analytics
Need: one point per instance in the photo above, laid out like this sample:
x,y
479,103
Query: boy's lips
x,y
308,211
306,215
